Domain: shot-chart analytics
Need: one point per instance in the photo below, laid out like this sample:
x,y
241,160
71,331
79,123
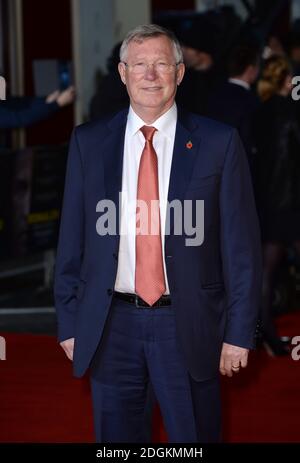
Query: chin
x,y
153,99
148,102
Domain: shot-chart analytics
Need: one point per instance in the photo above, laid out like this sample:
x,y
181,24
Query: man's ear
x,y
180,73
122,72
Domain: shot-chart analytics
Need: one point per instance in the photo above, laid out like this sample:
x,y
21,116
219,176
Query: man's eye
x,y
162,67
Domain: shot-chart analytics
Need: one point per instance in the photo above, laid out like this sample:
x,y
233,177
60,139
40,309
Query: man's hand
x,y
63,98
52,96
232,358
66,96
68,347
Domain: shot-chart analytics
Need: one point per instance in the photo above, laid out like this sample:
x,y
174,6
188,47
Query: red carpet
x,y
41,402
39,399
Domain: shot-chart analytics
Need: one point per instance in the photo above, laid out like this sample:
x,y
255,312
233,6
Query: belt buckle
x,y
138,306
136,301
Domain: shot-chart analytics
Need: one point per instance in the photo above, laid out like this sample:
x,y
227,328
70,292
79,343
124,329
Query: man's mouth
x,y
152,89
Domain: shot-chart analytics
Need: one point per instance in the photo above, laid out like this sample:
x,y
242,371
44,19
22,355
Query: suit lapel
x,y
185,152
113,149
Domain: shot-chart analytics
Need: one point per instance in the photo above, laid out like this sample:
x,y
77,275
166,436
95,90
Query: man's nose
x,y
150,72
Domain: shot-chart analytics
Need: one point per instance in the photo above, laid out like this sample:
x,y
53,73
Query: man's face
x,y
153,89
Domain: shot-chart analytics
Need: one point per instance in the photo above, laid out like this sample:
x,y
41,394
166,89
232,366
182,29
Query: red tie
x,y
149,270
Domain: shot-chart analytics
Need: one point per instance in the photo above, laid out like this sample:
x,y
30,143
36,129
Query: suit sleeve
x,y
70,244
240,246
37,110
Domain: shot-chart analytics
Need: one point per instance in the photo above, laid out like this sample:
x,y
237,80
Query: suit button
x,y
115,256
109,291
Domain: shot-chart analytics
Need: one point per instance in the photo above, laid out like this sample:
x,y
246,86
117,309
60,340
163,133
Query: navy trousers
x,y
139,355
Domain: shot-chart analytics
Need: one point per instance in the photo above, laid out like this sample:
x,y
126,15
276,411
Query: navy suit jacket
x,y
215,288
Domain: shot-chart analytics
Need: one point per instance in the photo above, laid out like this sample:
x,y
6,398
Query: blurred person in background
x,y
277,173
200,76
111,95
234,102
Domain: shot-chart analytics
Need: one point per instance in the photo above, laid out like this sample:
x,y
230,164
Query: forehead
x,y
158,46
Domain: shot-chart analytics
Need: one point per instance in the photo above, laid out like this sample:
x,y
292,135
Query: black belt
x,y
139,302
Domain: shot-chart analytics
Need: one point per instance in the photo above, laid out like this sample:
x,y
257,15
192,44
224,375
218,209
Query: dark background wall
x,y
47,34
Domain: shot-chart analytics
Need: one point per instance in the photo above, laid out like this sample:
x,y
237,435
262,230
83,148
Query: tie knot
x,y
148,132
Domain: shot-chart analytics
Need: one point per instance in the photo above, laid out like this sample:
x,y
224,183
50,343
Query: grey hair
x,y
148,31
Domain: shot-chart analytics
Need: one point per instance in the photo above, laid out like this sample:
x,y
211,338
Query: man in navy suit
x,y
169,308
234,102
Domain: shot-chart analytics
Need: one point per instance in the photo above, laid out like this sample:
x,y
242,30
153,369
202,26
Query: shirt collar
x,y
164,124
239,82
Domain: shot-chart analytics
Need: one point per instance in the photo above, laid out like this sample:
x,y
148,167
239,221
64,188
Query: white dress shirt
x,y
163,143
239,82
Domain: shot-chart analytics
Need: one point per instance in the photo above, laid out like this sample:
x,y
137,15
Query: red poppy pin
x,y
189,145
